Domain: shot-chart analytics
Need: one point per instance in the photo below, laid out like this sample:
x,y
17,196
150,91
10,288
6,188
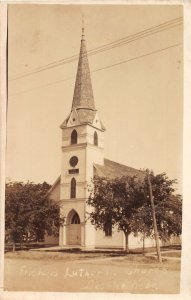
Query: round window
x,y
73,161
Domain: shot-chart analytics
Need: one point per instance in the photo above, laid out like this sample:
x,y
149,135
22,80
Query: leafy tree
x,y
118,200
29,214
125,202
168,206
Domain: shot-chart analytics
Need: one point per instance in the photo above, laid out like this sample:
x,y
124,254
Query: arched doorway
x,y
73,228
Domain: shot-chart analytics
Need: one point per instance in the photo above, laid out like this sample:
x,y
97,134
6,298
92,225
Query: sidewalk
x,y
154,255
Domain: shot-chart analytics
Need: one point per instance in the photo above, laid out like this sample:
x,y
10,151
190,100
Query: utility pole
x,y
154,219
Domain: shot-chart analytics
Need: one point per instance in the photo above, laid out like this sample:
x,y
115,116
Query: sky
x,y
140,102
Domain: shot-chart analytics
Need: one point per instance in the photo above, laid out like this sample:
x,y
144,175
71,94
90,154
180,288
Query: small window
x,y
108,228
75,219
74,137
73,188
95,138
73,161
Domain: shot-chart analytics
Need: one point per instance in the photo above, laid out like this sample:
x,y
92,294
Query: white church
x,y
82,158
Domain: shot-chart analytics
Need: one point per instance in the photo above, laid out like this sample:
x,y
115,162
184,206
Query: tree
x,y
116,200
168,206
29,214
125,201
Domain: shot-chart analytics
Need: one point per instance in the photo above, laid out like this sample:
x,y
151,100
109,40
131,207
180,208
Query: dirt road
x,y
92,275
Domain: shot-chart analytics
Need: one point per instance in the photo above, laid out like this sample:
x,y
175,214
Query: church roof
x,y
112,169
57,181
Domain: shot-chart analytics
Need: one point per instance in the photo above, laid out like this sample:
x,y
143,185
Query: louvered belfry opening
x,y
74,137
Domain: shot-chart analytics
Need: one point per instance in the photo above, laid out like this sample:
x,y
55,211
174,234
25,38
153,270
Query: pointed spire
x,y
83,93
83,28
83,108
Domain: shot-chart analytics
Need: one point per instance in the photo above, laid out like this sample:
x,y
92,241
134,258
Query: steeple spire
x,y
83,108
83,28
83,93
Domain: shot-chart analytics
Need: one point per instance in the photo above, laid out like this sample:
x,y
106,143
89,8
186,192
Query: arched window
x,y
74,137
73,188
75,219
95,138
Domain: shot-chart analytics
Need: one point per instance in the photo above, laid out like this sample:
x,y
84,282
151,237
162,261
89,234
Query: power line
x,y
135,39
166,24
100,49
123,41
141,56
148,29
103,68
95,52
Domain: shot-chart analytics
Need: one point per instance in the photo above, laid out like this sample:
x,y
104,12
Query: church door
x,y
74,230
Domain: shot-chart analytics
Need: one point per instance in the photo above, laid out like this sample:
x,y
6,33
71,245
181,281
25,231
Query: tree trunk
x,y
154,219
143,244
127,242
13,246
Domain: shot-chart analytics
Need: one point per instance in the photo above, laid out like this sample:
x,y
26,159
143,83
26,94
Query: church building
x,y
82,158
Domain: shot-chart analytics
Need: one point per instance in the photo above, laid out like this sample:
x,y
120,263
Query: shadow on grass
x,y
88,253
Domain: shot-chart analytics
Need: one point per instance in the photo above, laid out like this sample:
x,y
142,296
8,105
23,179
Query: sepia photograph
x,y
94,148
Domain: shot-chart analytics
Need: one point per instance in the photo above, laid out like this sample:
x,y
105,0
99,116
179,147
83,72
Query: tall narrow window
x,y
95,138
74,137
73,188
108,228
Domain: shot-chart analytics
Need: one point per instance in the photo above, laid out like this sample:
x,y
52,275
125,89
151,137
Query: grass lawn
x,y
171,254
66,256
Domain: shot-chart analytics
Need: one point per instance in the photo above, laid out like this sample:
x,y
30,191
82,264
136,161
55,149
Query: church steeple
x,y
83,109
83,93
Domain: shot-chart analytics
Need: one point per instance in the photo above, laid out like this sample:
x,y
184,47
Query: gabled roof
x,y
54,185
112,169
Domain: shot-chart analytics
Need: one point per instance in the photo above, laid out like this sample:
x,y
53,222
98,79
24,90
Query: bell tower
x,y
82,146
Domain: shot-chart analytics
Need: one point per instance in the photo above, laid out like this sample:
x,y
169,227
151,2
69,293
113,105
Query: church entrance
x,y
74,229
